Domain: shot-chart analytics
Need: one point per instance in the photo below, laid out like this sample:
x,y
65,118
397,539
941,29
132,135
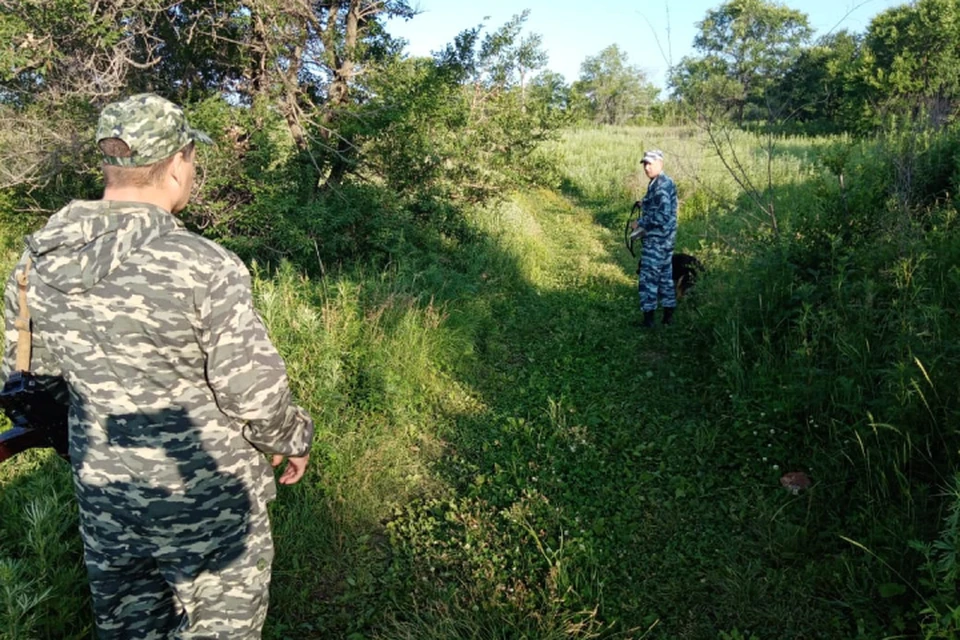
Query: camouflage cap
x,y
153,128
652,155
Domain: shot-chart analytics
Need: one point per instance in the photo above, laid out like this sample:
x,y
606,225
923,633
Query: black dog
x,y
686,268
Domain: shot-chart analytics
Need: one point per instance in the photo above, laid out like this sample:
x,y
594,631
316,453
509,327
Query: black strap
x,y
627,240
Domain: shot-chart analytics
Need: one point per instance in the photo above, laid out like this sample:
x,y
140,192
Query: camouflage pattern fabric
x,y
175,396
153,128
656,277
659,220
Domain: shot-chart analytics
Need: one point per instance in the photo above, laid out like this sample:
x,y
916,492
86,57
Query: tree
x,y
911,57
309,56
507,57
549,91
302,57
464,125
745,46
65,59
322,124
704,87
613,91
823,87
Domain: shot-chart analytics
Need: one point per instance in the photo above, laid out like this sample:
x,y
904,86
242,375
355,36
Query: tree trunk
x,y
342,64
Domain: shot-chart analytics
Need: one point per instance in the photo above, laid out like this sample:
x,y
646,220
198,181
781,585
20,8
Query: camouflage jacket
x,y
175,390
660,211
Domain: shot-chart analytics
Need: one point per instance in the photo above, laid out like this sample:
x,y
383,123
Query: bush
x,y
844,330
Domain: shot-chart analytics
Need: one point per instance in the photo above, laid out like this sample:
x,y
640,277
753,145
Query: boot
x,y
648,319
668,315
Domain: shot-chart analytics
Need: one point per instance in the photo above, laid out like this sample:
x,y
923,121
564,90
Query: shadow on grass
x,y
588,473
592,488
618,432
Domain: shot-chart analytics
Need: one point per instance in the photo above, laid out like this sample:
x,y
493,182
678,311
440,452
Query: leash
x,y
630,235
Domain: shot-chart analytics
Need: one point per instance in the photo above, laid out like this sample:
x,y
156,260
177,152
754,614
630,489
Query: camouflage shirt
x,y
175,390
660,211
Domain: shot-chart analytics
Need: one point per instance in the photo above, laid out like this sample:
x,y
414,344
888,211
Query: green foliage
x,y
704,85
612,91
940,573
36,59
843,330
754,64
823,90
835,340
911,56
500,453
549,92
452,143
379,171
748,44
41,570
255,196
506,56
390,376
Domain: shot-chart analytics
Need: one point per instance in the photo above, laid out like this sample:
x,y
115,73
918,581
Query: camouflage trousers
x,y
145,588
656,277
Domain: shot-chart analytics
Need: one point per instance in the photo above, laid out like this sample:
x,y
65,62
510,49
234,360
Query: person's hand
x,y
634,224
296,465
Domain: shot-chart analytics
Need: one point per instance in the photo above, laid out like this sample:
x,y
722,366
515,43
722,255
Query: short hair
x,y
150,175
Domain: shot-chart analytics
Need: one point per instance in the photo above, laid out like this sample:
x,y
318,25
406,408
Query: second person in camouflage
x,y
176,394
659,227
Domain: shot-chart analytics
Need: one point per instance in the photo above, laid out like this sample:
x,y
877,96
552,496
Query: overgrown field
x,y
501,454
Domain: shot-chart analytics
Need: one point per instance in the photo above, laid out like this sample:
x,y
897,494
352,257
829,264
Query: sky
x,y
574,30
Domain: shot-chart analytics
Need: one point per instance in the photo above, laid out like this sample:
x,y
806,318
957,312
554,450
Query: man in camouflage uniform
x,y
658,226
176,394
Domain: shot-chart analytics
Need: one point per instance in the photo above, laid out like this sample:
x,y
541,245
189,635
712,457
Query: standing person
x,y
659,224
176,395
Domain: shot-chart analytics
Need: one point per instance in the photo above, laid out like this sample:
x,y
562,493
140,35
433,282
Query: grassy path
x,y
501,455
601,461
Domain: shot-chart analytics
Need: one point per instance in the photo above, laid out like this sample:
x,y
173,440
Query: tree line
x,y
329,137
756,60
331,143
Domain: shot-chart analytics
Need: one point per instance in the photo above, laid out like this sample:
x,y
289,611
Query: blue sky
x,y
571,32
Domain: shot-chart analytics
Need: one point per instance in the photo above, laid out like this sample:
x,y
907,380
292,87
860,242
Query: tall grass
x,y
717,216
374,356
837,334
500,454
42,581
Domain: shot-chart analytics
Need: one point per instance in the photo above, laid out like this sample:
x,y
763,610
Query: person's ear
x,y
176,171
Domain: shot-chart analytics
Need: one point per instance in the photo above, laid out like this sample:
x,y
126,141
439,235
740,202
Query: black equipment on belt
x,y
39,420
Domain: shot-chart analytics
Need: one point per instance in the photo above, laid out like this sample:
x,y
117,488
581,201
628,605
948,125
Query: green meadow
x,y
502,454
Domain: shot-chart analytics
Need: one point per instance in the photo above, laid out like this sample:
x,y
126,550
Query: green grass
x,y
500,453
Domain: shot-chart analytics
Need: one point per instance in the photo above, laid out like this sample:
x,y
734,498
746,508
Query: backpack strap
x,y
22,323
